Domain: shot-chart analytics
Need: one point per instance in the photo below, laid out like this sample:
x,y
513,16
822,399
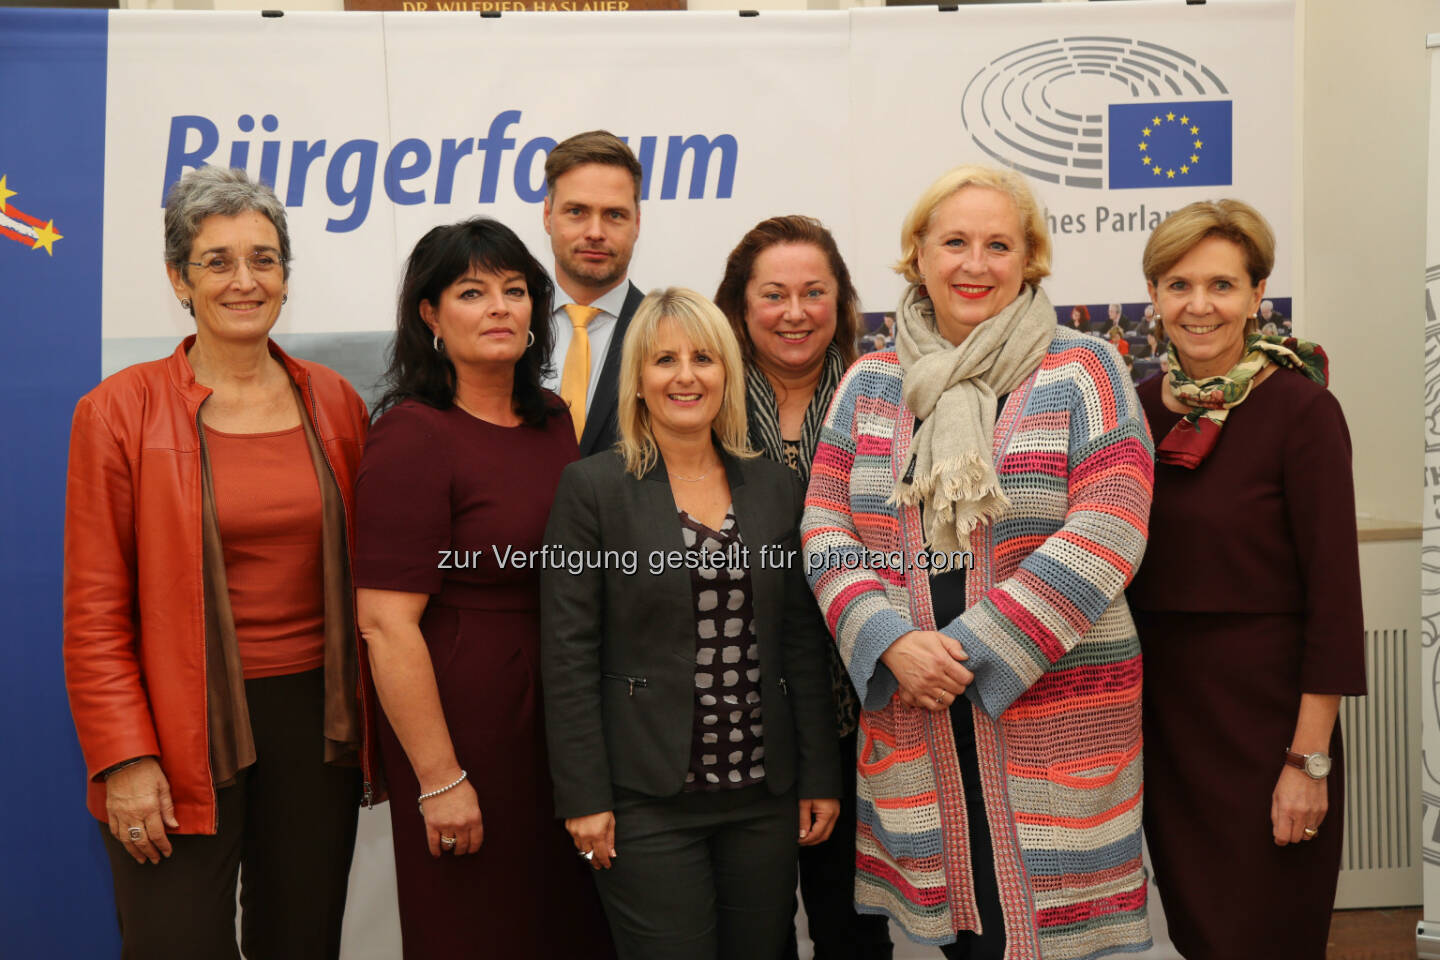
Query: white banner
x,y
1430,549
1068,94
375,127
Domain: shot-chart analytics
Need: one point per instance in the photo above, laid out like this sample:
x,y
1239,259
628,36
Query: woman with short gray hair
x,y
211,654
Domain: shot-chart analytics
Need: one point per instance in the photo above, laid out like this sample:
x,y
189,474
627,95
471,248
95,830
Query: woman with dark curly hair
x,y
460,468
788,296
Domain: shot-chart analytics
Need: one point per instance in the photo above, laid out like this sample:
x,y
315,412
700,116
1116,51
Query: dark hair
x,y
593,146
417,370
730,295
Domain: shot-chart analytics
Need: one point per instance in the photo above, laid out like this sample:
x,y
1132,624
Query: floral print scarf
x,y
1210,400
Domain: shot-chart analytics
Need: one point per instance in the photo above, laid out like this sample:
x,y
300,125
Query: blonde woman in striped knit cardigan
x,y
978,501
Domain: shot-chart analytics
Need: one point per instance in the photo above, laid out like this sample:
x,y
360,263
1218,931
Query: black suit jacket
x,y
618,650
602,421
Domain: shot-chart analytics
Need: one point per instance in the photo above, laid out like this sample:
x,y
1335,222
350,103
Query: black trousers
x,y
701,876
991,944
286,827
827,885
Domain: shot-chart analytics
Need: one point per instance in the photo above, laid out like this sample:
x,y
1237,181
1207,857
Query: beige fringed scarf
x,y
952,390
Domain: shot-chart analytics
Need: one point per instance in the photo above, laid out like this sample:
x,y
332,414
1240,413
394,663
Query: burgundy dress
x,y
1248,596
438,492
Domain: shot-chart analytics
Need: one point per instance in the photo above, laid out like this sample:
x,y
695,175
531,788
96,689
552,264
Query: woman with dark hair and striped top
x,y
788,297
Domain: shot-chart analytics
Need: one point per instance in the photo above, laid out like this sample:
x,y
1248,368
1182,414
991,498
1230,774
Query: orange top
x,y
268,503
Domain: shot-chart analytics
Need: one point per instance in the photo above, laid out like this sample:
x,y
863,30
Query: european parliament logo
x,y
1102,112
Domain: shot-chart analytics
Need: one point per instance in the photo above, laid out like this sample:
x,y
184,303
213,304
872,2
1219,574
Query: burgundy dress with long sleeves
x,y
1248,596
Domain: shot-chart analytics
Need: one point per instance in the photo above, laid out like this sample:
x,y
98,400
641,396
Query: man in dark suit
x,y
592,214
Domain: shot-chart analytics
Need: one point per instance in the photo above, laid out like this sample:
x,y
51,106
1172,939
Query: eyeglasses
x,y
223,266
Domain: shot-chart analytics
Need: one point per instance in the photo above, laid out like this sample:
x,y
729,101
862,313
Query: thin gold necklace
x,y
690,479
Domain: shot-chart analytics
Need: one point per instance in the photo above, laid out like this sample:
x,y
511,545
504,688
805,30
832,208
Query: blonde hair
x,y
1008,182
702,323
1232,220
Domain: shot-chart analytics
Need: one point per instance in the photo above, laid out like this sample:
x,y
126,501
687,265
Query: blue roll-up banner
x,y
55,886
374,127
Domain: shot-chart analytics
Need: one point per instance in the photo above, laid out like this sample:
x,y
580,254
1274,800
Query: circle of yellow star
x,y
1155,167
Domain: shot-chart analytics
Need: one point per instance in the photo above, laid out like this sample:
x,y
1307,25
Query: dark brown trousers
x,y
286,829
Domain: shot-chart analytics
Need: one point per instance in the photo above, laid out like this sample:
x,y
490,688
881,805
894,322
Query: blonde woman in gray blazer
x,y
687,705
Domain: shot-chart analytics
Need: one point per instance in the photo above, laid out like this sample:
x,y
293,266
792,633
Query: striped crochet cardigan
x,y
1051,642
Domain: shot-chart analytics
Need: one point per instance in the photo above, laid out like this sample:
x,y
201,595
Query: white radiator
x,y
1380,860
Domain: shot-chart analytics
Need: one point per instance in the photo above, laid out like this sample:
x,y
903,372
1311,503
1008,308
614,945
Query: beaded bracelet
x,y
435,793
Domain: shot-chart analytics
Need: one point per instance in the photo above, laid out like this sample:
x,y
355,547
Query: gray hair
x,y
217,191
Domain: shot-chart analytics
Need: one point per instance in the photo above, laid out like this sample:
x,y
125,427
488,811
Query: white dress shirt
x,y
600,329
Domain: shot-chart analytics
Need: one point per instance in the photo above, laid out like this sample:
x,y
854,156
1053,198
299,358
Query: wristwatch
x,y
1315,765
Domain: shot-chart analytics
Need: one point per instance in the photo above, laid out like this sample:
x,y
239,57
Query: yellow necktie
x,y
575,378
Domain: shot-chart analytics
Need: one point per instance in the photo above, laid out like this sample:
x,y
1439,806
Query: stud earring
x,y
185,304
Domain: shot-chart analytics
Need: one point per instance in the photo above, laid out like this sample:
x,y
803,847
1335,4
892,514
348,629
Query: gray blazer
x,y
618,650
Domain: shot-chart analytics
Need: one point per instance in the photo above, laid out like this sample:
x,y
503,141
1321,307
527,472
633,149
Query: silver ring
x,y
587,855
448,841
136,834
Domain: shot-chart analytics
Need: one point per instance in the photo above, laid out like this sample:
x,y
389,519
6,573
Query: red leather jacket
x,y
134,618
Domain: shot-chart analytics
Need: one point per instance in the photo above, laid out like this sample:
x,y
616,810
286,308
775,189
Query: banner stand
x,y
1427,930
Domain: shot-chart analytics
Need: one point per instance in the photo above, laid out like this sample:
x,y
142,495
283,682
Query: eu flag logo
x,y
1182,144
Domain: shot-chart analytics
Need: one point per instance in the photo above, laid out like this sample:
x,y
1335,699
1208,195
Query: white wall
x,y
1364,117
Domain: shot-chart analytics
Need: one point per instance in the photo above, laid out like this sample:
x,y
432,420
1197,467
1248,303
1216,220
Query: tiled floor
x,y
1373,934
